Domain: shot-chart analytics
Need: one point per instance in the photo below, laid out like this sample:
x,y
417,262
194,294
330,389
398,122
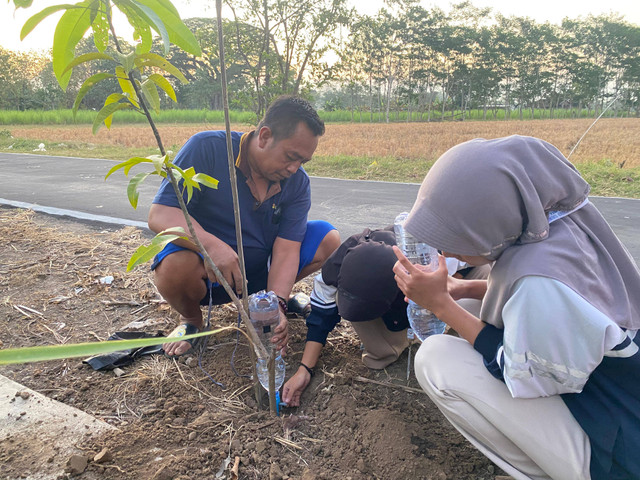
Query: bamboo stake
x,y
236,208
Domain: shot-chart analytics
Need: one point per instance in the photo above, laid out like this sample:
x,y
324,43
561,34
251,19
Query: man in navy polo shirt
x,y
280,246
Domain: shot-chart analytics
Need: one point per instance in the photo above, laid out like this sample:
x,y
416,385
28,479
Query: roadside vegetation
x,y
66,116
608,157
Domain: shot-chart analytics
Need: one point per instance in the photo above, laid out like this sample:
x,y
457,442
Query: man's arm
x,y
162,217
285,258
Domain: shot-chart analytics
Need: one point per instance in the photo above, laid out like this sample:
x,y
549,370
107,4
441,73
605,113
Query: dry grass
x,y
614,139
617,140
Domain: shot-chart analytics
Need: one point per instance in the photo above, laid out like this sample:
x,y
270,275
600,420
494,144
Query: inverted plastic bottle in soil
x,y
423,322
264,312
265,315
263,372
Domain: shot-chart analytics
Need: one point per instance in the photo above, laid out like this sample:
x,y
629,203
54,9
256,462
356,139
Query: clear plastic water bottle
x,y
423,322
264,313
263,372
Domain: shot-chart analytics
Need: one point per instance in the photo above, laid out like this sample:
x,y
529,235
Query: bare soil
x,y
173,421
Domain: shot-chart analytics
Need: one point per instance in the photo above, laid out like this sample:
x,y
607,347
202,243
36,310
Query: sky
x,y
540,10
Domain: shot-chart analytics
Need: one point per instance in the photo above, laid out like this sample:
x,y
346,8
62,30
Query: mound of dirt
x,y
173,421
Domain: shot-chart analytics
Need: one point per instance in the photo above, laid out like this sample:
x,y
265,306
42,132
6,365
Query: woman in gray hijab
x,y
544,383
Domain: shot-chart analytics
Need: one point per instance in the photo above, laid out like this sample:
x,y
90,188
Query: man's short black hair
x,y
286,112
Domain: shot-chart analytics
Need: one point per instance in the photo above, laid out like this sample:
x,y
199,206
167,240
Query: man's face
x,y
277,160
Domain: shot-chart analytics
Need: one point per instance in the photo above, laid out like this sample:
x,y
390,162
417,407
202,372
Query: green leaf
x,y
86,86
150,92
107,111
205,180
132,188
164,84
10,356
159,162
144,253
155,60
115,97
100,27
189,183
87,57
174,231
127,165
22,3
127,61
157,23
140,23
127,86
33,21
71,27
179,34
144,39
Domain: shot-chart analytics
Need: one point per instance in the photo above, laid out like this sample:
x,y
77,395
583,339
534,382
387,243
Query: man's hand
x,y
294,387
226,259
281,334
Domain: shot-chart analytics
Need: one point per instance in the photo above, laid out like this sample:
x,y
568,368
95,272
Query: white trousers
x,y
527,438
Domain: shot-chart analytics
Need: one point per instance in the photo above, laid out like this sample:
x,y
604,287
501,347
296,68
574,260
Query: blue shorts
x,y
256,262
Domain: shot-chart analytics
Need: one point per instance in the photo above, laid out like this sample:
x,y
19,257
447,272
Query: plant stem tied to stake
x,y
257,344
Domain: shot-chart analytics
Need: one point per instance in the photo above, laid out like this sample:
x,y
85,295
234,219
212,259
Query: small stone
x,y
165,473
104,456
193,435
491,469
261,446
308,475
190,361
179,422
23,394
118,372
274,472
360,465
76,464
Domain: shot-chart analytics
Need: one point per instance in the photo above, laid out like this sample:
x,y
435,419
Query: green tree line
x,y
406,62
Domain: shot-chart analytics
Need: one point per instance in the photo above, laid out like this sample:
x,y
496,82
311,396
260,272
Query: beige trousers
x,y
528,438
382,347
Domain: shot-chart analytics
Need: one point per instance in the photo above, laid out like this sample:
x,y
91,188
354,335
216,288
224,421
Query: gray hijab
x,y
493,198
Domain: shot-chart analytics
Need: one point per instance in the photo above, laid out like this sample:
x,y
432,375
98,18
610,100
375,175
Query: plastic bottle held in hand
x,y
264,313
423,322
263,372
417,252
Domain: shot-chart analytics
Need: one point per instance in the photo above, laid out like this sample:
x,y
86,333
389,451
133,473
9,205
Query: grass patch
x,y
70,149
386,169
86,117
607,179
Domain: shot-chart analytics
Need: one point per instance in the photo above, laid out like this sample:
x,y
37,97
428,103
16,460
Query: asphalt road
x,y
75,187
